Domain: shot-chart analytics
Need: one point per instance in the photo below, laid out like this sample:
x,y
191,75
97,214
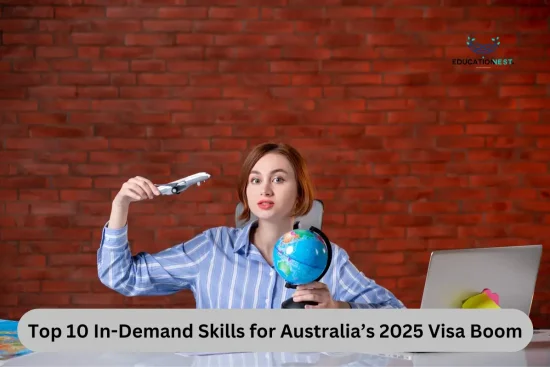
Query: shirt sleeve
x,y
145,274
356,289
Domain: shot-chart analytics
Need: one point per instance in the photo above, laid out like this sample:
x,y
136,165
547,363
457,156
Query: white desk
x,y
535,355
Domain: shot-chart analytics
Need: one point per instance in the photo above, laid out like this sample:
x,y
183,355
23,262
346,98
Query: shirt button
x,y
272,272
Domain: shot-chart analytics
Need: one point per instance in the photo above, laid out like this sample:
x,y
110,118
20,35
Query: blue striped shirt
x,y
224,269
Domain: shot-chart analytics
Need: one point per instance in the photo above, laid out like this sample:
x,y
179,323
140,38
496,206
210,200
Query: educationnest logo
x,y
483,52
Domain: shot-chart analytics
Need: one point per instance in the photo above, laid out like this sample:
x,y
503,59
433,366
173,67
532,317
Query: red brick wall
x,y
409,153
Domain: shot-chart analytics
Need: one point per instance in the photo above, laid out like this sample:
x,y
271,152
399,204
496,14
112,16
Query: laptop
x,y
455,275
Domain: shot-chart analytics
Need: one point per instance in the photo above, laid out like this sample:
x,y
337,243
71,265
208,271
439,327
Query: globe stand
x,y
290,303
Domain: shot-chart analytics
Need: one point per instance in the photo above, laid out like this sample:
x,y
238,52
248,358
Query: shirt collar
x,y
243,239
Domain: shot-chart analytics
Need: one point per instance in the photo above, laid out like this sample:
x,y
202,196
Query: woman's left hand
x,y
317,292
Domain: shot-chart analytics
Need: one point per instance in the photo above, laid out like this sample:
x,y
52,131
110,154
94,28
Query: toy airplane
x,y
179,186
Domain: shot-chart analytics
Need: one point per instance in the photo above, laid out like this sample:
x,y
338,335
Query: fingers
x,y
313,285
139,188
136,188
316,292
131,192
321,296
154,189
144,186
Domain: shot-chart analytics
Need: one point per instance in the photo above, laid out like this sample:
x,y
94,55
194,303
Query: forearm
x,y
119,214
117,268
115,264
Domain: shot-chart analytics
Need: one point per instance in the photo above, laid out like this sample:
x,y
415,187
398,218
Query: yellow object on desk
x,y
485,299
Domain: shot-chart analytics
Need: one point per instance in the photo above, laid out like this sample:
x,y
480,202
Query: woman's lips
x,y
265,205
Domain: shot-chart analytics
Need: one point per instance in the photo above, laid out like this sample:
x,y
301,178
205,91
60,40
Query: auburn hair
x,y
305,194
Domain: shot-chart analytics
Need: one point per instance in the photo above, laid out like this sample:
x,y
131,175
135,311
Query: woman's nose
x,y
266,190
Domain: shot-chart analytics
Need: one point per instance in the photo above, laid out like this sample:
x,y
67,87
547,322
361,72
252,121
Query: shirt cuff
x,y
114,239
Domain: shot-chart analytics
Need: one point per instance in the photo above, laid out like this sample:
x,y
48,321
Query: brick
x,y
486,129
344,105
279,40
341,40
149,39
70,65
123,79
533,103
243,53
17,52
97,92
233,13
84,195
526,25
12,93
22,105
523,91
52,92
346,66
148,65
381,258
536,130
243,66
29,299
20,287
178,52
137,92
48,286
162,79
51,221
58,131
79,12
393,270
22,39
261,26
131,13
134,52
84,79
524,167
42,118
28,12
96,39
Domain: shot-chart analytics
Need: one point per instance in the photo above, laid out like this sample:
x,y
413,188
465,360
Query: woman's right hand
x,y
136,189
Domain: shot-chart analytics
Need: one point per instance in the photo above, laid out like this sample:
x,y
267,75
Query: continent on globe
x,y
284,267
300,256
290,236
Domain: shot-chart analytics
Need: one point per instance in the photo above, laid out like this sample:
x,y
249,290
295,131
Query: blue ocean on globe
x,y
300,256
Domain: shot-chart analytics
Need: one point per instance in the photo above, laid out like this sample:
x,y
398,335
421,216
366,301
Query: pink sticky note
x,y
491,295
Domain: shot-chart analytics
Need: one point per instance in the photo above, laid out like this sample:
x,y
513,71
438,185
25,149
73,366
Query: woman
x,y
232,267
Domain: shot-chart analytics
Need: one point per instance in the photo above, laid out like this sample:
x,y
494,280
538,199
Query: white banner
x,y
357,330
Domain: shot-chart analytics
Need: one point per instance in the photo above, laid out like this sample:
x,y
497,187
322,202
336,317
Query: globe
x,y
301,256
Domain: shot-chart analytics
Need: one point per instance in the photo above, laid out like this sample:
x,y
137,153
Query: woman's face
x,y
272,188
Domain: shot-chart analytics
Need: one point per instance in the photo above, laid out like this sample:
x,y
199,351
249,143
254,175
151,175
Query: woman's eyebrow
x,y
274,171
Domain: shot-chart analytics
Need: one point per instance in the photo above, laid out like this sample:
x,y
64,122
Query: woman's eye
x,y
280,179
254,180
